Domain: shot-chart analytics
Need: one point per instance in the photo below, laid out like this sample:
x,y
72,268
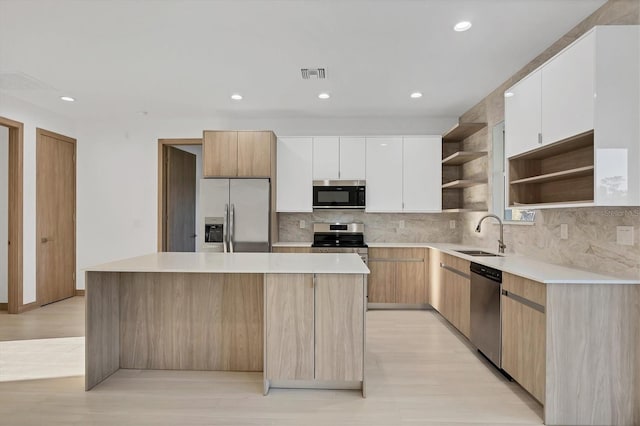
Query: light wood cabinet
x,y
449,289
238,154
314,327
524,333
289,324
291,249
398,275
339,329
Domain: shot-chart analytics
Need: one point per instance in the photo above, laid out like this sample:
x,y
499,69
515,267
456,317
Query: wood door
x,y
254,154
289,325
181,200
55,217
381,281
220,154
339,319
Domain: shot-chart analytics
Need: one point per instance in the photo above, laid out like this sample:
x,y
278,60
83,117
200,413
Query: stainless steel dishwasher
x,y
486,332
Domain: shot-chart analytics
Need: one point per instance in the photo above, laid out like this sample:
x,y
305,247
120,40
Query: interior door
x,y
181,200
249,204
55,217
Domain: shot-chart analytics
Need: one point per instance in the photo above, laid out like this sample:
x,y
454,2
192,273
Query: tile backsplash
x,y
379,227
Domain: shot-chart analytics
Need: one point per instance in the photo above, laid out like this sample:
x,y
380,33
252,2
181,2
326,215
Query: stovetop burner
x,y
339,235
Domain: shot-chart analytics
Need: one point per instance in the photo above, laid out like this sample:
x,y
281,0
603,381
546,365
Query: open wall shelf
x,y
556,174
462,157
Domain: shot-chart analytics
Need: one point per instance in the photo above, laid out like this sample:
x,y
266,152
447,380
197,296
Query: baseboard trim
x,y
79,292
28,307
4,306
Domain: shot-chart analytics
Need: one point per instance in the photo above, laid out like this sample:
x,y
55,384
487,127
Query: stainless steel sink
x,y
478,253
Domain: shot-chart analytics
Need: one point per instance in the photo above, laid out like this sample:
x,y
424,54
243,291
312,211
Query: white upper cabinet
x,y
295,179
522,123
384,174
338,158
326,158
422,174
352,158
404,174
568,91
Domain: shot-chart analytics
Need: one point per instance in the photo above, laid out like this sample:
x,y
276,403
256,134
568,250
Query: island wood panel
x,y
381,281
593,348
290,326
102,326
254,154
191,321
523,287
339,328
220,154
524,345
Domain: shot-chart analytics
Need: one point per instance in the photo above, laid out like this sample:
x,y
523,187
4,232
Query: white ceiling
x,y
185,58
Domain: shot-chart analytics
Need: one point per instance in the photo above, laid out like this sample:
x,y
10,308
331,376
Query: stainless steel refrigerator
x,y
234,215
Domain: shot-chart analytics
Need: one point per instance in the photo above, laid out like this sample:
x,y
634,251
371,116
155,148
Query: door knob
x,y
45,239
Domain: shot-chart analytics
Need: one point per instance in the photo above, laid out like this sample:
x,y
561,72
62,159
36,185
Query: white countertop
x,y
239,263
532,269
522,266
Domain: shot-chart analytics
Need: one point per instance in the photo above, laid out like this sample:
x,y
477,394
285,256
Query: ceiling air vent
x,y
318,73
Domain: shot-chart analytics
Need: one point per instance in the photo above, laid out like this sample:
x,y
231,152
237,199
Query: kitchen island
x,y
299,318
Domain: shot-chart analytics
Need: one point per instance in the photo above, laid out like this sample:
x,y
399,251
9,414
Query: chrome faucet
x,y
501,245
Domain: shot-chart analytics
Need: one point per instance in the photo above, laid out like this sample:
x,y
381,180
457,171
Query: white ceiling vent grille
x,y
318,73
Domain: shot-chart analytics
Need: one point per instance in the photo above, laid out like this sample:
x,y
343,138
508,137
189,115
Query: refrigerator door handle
x,y
232,224
225,228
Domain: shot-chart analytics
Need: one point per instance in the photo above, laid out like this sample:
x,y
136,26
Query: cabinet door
x,y
381,281
524,334
352,158
422,174
411,283
220,154
339,314
326,158
254,154
291,250
435,280
461,303
522,116
523,346
290,329
568,91
295,181
384,174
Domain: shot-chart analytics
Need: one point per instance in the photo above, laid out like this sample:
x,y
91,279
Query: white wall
x,y
4,212
32,117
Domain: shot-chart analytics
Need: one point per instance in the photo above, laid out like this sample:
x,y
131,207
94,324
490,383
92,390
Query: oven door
x,y
338,195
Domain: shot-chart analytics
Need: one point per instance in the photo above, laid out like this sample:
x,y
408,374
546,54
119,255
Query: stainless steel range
x,y
340,238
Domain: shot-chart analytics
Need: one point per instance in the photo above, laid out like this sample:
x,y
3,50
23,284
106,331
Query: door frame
x,y
162,185
39,134
15,203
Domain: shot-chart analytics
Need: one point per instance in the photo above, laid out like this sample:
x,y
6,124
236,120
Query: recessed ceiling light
x,y
67,98
324,96
508,94
416,95
236,97
462,26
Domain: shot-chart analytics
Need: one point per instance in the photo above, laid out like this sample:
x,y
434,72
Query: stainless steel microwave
x,y
339,194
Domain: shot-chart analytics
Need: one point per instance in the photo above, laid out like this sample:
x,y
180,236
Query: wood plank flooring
x,y
419,372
